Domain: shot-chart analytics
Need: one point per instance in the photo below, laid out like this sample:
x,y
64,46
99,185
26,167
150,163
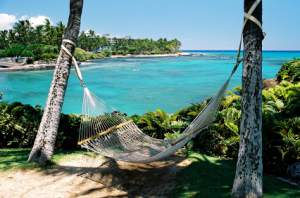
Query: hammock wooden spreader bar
x,y
103,133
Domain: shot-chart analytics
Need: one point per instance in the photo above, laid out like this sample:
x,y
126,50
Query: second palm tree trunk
x,y
249,169
44,143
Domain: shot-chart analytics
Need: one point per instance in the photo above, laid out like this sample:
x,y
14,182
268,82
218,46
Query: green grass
x,y
213,177
17,158
14,158
205,177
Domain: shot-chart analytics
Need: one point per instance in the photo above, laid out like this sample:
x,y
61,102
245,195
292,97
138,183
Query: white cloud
x,y
7,21
36,20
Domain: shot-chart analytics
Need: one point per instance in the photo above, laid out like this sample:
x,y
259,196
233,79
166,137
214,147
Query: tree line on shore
x,y
43,42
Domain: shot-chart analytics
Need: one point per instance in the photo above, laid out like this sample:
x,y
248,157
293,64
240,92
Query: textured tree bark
x,y
249,168
44,143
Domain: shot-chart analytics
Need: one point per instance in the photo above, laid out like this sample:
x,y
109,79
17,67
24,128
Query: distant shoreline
x,y
7,67
12,66
151,55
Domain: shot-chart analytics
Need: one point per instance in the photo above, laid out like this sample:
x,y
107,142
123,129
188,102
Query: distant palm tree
x,y
23,32
45,140
249,169
38,32
11,36
3,39
49,33
59,31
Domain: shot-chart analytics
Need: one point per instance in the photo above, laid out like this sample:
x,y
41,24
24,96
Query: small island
x,y
25,47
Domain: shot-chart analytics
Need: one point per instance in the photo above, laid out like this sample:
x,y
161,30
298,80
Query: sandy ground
x,y
8,67
93,177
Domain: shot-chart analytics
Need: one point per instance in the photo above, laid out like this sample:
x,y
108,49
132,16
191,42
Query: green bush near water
x,y
36,51
281,124
290,71
82,55
46,52
19,124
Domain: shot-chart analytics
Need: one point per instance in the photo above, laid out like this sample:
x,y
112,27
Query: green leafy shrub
x,y
19,124
189,113
36,51
158,123
82,55
45,52
281,128
290,71
48,56
26,53
106,53
14,50
68,131
3,53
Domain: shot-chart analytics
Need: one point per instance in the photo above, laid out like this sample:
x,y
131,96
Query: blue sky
x,y
199,24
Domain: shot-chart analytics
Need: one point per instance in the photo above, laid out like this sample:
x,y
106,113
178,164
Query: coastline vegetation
x,y
281,124
43,43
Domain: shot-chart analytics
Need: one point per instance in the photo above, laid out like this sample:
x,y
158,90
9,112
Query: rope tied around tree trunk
x,y
78,72
247,16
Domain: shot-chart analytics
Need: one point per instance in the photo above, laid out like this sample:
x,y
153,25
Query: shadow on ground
x,y
14,158
199,176
211,177
156,179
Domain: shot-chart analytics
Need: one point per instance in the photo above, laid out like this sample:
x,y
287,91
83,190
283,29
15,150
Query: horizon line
x,y
270,50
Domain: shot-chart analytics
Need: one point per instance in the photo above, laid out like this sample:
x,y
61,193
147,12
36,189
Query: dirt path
x,y
82,177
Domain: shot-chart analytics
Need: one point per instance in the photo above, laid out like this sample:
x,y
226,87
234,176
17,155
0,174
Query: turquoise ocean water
x,y
138,85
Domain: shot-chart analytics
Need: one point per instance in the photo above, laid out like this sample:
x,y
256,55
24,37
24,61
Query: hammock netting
x,y
109,133
115,136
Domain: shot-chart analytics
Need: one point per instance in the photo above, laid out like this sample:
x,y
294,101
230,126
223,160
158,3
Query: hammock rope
x,y
109,133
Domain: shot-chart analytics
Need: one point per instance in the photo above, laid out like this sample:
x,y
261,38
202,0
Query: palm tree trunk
x,y
249,168
44,143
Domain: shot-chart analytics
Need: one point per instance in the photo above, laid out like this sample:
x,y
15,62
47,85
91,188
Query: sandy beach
x,y
8,66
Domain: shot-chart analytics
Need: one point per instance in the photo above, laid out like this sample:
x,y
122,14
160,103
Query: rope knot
x,y
78,72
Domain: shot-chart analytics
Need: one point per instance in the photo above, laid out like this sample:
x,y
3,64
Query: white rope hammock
x,y
108,133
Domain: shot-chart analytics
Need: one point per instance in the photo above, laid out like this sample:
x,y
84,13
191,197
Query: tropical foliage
x,y
90,41
281,125
19,124
290,71
82,55
43,43
40,42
